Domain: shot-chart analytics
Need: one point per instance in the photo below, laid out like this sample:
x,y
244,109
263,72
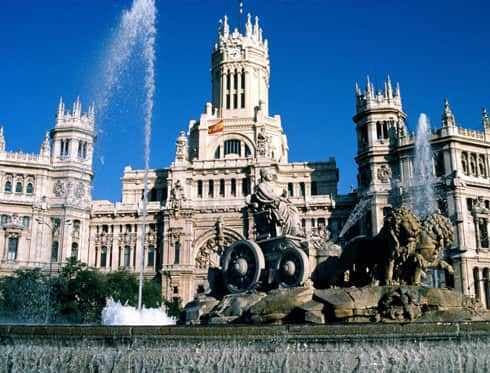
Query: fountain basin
x,y
369,347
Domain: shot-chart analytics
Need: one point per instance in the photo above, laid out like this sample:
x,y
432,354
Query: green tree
x,y
81,293
25,296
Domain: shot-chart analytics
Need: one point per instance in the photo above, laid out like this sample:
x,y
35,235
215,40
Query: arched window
x,y
232,147
29,188
248,153
18,187
74,250
464,163
103,257
482,166
473,168
8,187
217,153
151,257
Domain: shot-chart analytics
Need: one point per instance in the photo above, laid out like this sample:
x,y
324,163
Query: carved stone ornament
x,y
263,143
176,196
59,189
384,174
79,190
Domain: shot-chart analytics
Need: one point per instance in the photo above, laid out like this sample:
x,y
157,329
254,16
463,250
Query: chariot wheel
x,y
293,268
242,265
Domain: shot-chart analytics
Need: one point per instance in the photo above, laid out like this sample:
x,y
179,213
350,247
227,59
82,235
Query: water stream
x,y
421,191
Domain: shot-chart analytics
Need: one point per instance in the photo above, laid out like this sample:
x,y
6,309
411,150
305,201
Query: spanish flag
x,y
217,127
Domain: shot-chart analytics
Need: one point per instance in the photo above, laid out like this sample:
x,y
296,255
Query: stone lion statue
x,y
400,253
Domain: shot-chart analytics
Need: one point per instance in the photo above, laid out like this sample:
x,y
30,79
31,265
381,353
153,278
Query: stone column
x,y
481,287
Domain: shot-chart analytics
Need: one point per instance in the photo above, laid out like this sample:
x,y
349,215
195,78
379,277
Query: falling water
x,y
422,192
134,38
356,214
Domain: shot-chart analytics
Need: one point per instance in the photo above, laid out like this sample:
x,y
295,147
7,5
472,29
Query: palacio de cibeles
x,y
261,263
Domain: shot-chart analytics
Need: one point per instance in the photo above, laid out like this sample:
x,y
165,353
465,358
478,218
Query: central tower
x,y
240,71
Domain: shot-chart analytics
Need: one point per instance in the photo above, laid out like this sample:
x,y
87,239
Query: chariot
x,y
270,263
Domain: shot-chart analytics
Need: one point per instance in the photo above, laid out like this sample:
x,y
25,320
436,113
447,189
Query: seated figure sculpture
x,y
274,213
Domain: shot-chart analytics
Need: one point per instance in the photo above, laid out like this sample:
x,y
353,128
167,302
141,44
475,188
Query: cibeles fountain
x,y
282,300
279,276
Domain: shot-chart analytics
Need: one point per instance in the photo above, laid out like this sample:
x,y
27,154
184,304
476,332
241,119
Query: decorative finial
x,y
226,26
485,118
358,90
448,119
389,87
256,28
369,90
61,108
248,25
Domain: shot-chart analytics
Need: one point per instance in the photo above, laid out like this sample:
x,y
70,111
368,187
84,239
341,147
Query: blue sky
x,y
318,49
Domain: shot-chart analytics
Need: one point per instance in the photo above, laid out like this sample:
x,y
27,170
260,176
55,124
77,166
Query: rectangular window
x,y
12,248
103,257
54,251
127,256
151,257
245,186
483,224
211,189
235,101
302,189
232,147
227,100
233,187
222,188
177,253
199,188
385,129
243,100
291,189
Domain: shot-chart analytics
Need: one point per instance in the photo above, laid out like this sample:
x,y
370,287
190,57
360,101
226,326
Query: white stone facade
x,y
461,178
45,198
197,204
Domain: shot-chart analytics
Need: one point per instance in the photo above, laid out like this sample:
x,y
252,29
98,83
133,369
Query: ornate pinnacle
x,y
358,90
61,108
389,87
448,119
248,25
485,118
